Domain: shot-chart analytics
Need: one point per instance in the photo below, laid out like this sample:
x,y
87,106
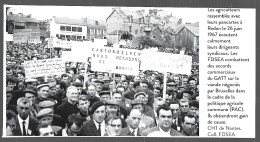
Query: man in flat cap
x,y
99,85
31,82
143,96
95,126
31,94
112,108
104,96
42,91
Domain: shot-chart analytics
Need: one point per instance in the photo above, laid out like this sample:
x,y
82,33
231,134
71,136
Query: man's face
x,y
145,99
105,97
189,125
99,86
46,119
43,92
33,84
186,96
48,131
111,85
185,81
99,114
165,118
123,78
176,79
83,105
137,79
20,77
11,84
91,91
73,95
175,110
194,110
131,84
139,107
82,72
117,97
112,110
11,123
121,89
184,107
23,110
144,86
192,83
125,84
168,97
9,73
100,77
156,92
30,96
114,128
134,119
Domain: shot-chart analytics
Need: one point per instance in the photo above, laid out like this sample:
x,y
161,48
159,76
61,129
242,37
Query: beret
x,y
137,101
95,106
44,112
140,93
46,104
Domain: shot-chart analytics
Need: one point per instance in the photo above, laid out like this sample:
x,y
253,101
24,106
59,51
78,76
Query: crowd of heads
x,y
82,102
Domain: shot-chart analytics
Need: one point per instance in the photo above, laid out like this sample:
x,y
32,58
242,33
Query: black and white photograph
x,y
123,72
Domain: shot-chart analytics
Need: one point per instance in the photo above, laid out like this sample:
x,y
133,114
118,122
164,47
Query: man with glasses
x,y
26,125
113,126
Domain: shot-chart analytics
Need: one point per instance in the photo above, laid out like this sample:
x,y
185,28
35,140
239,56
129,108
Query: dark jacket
x,y
33,123
89,129
126,132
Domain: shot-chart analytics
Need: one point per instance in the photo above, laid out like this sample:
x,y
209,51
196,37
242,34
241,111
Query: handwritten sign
x,y
162,62
47,67
62,43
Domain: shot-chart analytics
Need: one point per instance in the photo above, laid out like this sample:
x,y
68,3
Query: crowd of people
x,y
82,102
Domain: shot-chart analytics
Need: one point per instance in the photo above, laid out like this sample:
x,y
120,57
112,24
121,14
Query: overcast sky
x,y
96,13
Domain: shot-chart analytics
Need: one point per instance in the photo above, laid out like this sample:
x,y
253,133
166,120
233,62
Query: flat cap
x,y
104,93
43,85
140,93
111,102
99,81
171,84
91,74
27,90
46,104
44,112
137,101
77,84
95,106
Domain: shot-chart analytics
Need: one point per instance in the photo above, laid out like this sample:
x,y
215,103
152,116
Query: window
x,y
79,29
98,31
130,29
57,35
74,29
67,36
68,28
79,37
62,28
73,37
91,31
83,37
62,36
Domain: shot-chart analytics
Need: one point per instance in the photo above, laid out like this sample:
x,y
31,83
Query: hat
x,y
91,74
44,112
100,73
22,73
99,81
27,90
140,93
9,90
111,102
137,101
42,85
95,106
30,80
106,79
145,81
65,75
46,104
171,84
104,93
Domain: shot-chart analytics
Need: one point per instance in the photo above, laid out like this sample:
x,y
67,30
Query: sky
x,y
97,13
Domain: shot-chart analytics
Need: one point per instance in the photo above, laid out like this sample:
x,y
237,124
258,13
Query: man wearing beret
x,y
95,126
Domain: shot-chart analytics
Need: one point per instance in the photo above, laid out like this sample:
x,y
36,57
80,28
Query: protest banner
x,y
174,63
61,43
26,36
46,67
116,60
